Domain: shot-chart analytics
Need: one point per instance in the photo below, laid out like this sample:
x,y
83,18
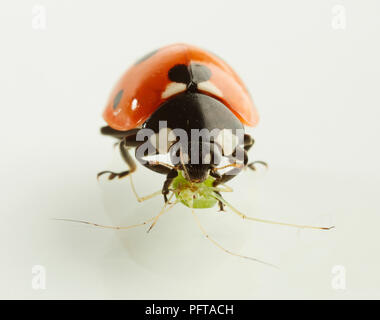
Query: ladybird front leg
x,y
124,146
169,179
163,168
230,174
108,131
248,143
218,177
112,175
215,174
252,165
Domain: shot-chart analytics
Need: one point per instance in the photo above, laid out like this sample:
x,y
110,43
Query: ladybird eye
x,y
209,87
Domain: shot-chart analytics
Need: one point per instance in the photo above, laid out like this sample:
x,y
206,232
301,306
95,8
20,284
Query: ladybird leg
x,y
217,176
169,178
248,143
214,173
157,166
160,167
224,178
123,146
108,131
252,165
236,168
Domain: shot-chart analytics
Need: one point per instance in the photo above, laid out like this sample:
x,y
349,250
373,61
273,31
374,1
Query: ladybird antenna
x,y
204,232
243,216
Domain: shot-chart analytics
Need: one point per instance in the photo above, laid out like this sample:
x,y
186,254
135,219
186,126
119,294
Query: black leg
x,y
108,131
234,171
248,143
252,165
217,176
128,141
173,173
124,145
156,166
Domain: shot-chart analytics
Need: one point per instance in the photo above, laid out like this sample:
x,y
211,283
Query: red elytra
x,y
139,91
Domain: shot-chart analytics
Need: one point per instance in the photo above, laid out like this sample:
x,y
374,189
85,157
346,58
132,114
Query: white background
x,y
317,91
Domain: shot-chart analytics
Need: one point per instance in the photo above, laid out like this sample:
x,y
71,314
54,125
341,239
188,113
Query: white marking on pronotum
x,y
173,88
163,140
209,87
227,140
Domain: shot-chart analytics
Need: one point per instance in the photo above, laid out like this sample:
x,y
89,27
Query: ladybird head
x,y
195,159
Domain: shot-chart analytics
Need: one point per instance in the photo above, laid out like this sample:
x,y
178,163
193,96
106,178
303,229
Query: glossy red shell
x,y
138,93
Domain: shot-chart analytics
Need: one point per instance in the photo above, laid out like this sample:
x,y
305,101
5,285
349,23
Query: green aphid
x,y
194,195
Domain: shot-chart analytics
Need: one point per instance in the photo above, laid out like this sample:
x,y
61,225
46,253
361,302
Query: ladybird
x,y
190,89
156,107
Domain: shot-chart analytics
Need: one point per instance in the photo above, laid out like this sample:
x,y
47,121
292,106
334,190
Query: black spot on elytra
x,y
199,72
146,57
192,74
117,99
179,73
